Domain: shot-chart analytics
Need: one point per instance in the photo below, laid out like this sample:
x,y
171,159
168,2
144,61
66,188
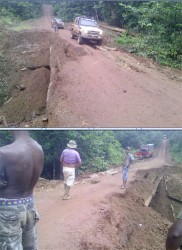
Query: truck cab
x,y
145,151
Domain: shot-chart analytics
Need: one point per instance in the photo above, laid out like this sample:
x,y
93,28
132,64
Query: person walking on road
x,y
174,236
128,160
21,164
70,159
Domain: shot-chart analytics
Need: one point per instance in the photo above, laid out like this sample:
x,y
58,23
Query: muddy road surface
x,y
87,86
111,89
99,215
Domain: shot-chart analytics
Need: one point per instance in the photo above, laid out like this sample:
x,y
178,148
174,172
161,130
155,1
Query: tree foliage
x,y
157,25
13,10
175,139
99,149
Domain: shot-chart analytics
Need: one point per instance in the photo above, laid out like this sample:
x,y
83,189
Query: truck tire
x,y
99,42
80,40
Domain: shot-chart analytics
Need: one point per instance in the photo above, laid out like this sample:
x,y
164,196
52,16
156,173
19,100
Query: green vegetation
x,y
4,74
12,11
99,150
154,29
176,146
159,29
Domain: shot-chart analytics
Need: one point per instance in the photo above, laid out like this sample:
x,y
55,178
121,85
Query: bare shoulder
x,y
36,144
5,149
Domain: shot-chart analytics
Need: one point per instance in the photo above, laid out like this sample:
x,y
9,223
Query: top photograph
x,y
90,64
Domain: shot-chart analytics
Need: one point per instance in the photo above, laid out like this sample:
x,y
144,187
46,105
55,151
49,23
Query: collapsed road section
x,y
35,59
28,78
109,218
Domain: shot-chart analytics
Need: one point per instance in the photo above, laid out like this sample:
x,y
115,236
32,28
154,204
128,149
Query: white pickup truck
x,y
86,29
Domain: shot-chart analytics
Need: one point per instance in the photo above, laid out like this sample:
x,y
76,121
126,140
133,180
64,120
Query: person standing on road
x,y
55,26
70,159
21,164
128,160
174,236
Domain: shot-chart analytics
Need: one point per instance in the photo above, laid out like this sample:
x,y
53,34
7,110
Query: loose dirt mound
x,y
28,87
29,54
100,217
90,86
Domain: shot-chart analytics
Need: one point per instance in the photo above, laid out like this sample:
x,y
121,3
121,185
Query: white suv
x,y
86,29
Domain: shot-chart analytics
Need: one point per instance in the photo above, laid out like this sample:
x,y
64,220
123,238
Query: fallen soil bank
x,y
28,87
100,216
89,87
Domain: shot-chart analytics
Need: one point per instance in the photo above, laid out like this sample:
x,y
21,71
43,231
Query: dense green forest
x,y
13,11
99,149
153,29
176,146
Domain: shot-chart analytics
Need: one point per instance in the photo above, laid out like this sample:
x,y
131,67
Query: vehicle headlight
x,y
85,31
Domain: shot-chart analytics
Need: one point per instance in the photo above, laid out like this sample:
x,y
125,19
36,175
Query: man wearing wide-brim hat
x,y
70,159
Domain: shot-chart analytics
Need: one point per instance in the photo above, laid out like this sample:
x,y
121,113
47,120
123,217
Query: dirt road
x,y
84,86
98,216
111,89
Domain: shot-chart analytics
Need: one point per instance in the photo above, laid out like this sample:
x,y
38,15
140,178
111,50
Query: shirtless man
x,y
21,164
174,236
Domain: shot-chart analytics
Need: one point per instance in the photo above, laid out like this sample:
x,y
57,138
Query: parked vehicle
x,y
165,137
58,21
145,151
86,29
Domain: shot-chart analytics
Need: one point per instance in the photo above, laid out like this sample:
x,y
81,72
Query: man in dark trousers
x,y
174,236
21,164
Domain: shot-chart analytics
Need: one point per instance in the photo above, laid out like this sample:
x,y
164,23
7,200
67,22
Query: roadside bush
x,y
19,10
7,18
176,154
4,89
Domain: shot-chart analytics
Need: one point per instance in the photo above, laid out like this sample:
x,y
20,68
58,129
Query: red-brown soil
x,y
86,86
99,216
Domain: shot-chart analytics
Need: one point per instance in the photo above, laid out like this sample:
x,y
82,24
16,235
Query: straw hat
x,y
72,144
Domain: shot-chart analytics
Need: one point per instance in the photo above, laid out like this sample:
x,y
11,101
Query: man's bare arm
x,y
174,237
3,179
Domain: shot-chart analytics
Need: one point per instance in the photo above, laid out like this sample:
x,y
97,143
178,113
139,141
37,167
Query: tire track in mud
x,y
99,92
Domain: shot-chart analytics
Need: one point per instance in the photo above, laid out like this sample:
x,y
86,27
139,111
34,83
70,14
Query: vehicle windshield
x,y
58,20
144,150
90,23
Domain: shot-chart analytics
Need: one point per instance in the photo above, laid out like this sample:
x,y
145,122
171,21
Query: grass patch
x,y
152,47
176,154
129,42
20,27
4,74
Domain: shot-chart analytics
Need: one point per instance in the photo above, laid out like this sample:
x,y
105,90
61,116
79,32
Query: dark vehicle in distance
x,y
58,21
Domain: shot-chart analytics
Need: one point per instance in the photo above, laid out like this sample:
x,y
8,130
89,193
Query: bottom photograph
x,y
91,189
